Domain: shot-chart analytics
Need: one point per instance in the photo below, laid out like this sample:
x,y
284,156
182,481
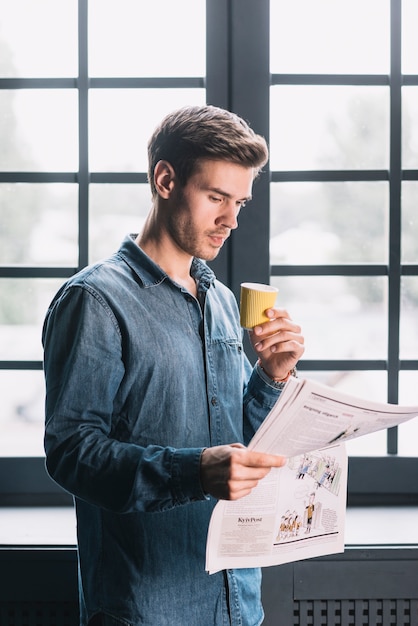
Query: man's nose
x,y
229,217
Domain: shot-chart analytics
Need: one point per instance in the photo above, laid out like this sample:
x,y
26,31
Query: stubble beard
x,y
188,240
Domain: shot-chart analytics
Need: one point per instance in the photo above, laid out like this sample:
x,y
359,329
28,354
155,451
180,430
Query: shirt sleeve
x,y
260,395
83,368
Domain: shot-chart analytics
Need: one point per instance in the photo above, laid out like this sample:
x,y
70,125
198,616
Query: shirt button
x,y
213,401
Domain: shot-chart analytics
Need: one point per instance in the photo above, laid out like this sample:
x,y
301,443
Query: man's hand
x,y
232,471
279,343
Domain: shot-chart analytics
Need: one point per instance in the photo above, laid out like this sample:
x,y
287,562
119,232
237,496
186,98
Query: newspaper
x,y
297,511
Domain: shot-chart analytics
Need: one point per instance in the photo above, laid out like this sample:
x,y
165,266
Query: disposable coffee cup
x,y
255,299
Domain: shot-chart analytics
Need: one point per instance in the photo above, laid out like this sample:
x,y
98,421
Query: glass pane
x,y
320,223
410,127
38,130
371,385
409,37
38,39
122,120
115,211
331,36
22,414
341,317
329,127
408,324
38,224
409,222
374,444
23,305
134,29
408,432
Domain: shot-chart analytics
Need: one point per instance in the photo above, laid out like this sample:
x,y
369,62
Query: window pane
x,y
409,37
408,432
409,222
23,304
115,211
331,36
408,323
320,223
341,317
329,127
374,444
38,39
22,413
122,120
410,127
163,38
38,130
38,224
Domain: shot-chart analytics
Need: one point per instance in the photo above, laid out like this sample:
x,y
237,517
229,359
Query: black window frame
x,y
385,479
238,78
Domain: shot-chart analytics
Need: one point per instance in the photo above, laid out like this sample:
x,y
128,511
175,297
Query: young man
x,y
150,397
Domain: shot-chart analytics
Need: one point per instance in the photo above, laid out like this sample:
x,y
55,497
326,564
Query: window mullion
x,y
395,169
218,80
83,167
250,85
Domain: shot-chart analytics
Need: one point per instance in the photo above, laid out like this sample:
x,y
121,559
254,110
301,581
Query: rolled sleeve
x,y
186,475
260,396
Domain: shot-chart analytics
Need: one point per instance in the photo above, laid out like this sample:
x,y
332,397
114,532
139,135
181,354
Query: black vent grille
x,y
355,613
38,614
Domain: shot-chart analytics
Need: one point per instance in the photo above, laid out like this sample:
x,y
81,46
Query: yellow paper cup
x,y
255,299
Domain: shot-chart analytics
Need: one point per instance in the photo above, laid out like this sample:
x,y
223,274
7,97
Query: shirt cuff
x,y
267,379
185,473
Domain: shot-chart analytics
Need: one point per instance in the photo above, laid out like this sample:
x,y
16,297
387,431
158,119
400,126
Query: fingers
x,y
230,472
280,336
282,343
280,322
261,459
239,490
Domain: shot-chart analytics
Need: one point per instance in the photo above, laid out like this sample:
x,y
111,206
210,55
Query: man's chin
x,y
211,255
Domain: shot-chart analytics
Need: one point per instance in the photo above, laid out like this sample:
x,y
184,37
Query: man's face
x,y
203,213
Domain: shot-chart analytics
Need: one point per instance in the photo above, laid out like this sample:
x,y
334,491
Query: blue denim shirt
x,y
138,382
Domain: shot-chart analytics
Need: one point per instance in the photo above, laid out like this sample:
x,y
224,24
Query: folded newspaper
x,y
298,511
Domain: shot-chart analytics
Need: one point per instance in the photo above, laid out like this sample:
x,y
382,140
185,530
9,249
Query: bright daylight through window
x,y
337,193
55,132
343,135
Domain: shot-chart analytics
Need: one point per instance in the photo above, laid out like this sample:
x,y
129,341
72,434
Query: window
x,y
332,223
342,244
73,178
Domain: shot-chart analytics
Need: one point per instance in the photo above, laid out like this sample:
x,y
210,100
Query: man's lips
x,y
218,238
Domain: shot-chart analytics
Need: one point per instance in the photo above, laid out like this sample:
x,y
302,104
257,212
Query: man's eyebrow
x,y
228,195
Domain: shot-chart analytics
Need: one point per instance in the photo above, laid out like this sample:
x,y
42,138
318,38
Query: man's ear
x,y
164,177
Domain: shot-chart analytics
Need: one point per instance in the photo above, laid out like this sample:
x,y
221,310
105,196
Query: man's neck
x,y
174,262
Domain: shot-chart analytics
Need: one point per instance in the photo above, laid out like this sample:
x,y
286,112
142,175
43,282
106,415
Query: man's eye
x,y
215,199
242,204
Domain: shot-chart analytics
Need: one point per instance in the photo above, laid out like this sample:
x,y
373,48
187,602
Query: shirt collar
x,y
151,274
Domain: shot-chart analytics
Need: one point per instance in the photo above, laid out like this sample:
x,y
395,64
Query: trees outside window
x,y
333,223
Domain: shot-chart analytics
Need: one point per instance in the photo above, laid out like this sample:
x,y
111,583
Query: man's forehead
x,y
225,176
220,165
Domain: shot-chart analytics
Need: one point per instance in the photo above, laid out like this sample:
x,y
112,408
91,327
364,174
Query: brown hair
x,y
204,132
